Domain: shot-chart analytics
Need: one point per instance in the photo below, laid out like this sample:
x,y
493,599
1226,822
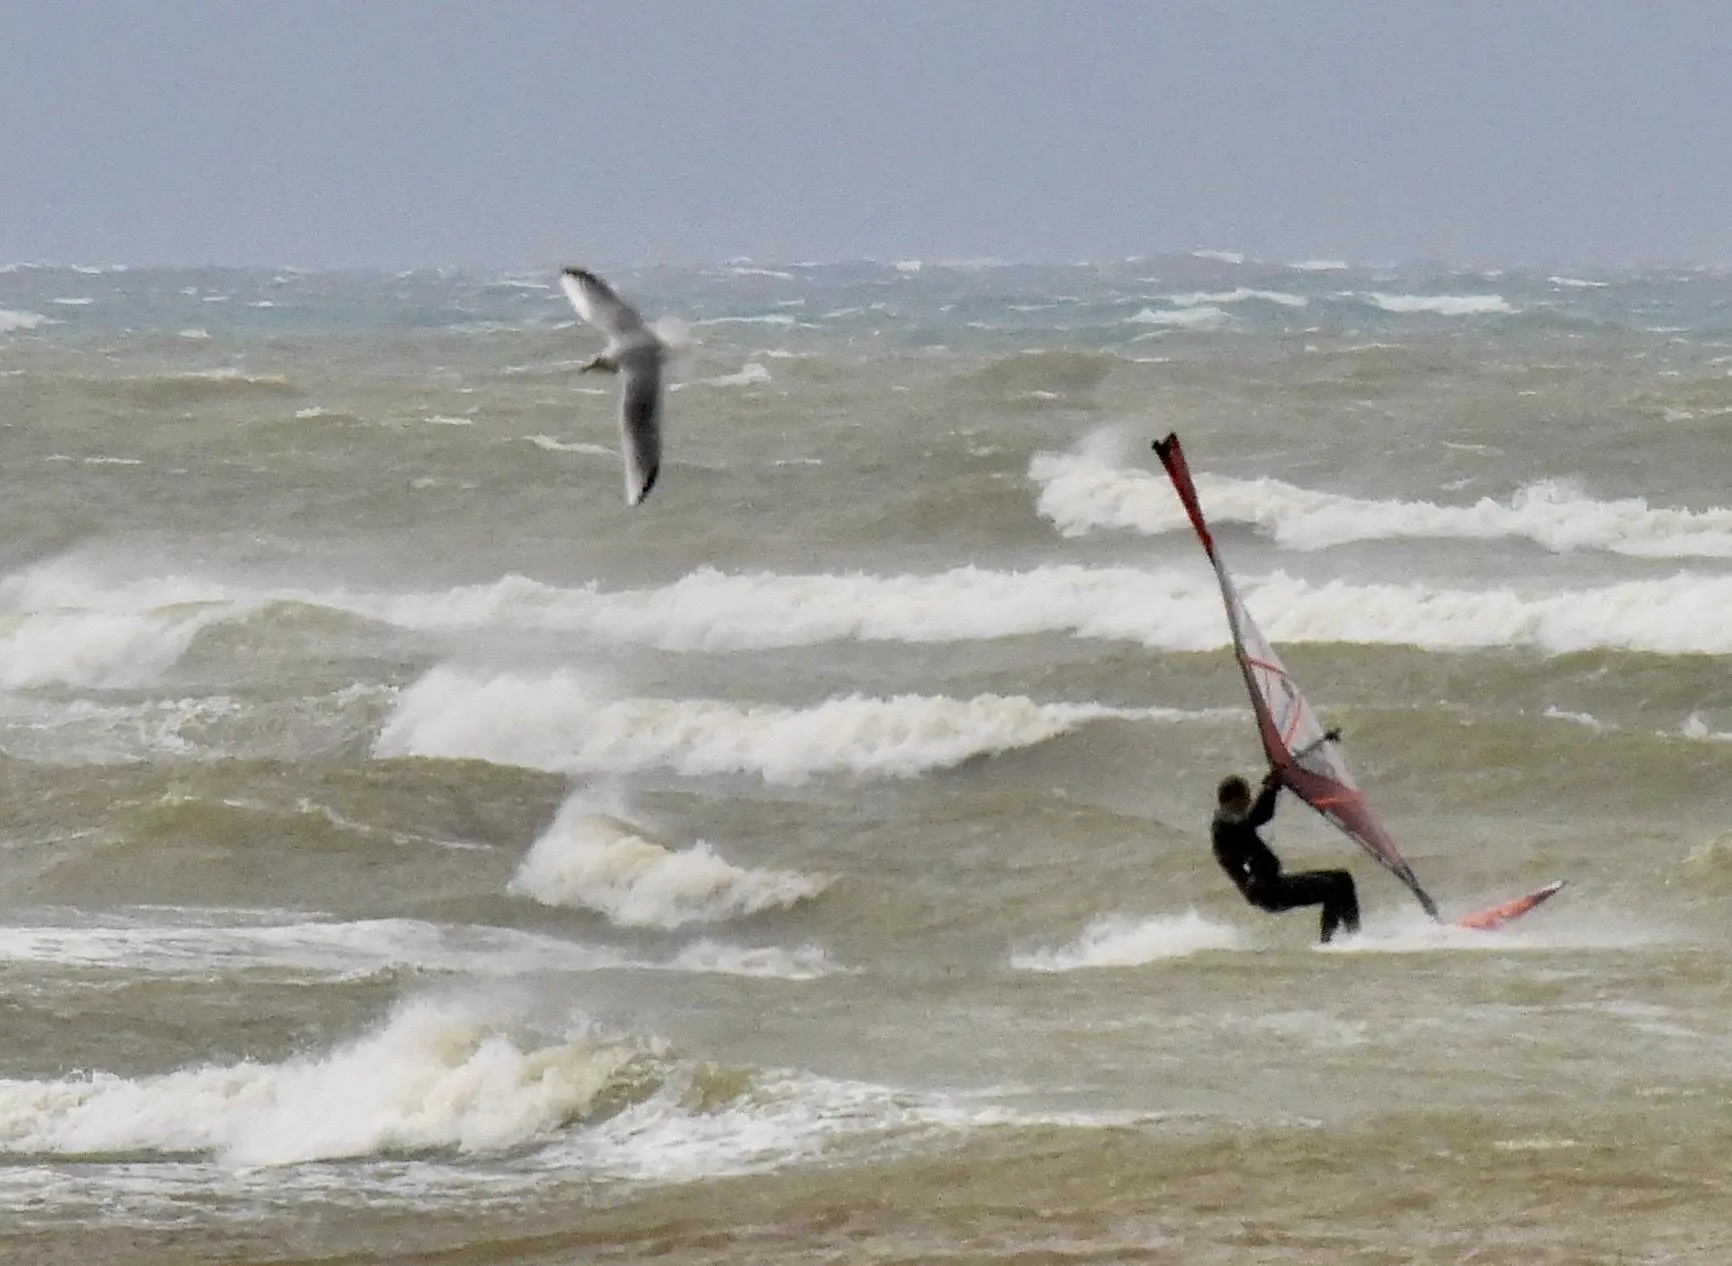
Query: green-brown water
x,y
408,852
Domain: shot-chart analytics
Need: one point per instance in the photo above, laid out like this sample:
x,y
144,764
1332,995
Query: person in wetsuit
x,y
1257,871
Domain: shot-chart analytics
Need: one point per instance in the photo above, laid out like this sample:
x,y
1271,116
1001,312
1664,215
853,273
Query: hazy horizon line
x,y
1224,258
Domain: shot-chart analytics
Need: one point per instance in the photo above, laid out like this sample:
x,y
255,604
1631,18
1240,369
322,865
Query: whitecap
x,y
1198,318
550,444
751,374
593,860
1443,305
767,318
11,321
1238,295
1121,940
805,962
196,944
1086,490
437,1074
560,722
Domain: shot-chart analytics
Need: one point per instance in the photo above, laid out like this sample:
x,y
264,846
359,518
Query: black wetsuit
x,y
1257,871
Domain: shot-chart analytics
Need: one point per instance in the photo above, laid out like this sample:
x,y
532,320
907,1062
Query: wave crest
x,y
437,1075
556,722
1082,492
598,862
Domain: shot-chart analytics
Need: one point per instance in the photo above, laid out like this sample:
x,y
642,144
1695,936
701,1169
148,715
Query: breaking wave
x,y
1201,317
1083,491
1171,608
100,649
556,721
450,1076
1444,305
595,861
11,321
438,1075
1239,294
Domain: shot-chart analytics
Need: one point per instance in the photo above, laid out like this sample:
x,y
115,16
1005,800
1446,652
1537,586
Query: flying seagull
x,y
635,353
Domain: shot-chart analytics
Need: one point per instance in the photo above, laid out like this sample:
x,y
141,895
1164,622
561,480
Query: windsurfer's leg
x,y
1348,899
1331,889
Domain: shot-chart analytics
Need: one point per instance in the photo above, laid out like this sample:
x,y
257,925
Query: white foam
x,y
137,627
1085,490
221,375
1576,283
767,318
1443,305
559,721
195,947
1586,719
11,321
593,860
1320,266
1121,940
438,1074
786,1118
1680,614
1220,257
1694,727
1199,318
549,444
1239,294
805,962
1555,925
1172,609
750,375
100,649
78,301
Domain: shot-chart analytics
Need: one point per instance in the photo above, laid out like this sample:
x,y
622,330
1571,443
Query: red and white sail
x,y
1294,739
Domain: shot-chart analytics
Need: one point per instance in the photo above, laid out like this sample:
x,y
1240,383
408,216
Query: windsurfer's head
x,y
1233,793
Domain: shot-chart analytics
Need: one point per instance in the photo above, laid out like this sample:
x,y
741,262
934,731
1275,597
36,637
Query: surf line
x,y
1306,755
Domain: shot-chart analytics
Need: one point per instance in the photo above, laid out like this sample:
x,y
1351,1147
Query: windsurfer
x,y
1253,866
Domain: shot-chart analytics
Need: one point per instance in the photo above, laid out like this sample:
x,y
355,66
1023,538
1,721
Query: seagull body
x,y
635,353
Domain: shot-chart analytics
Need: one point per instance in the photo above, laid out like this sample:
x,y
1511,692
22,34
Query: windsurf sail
x,y
1307,755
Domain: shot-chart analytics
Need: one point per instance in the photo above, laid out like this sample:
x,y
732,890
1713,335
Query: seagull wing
x,y
640,422
596,303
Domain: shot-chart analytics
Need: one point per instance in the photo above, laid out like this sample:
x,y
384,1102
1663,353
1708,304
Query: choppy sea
x,y
407,852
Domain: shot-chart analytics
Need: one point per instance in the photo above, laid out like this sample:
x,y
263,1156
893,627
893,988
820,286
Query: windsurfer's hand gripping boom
x,y
1332,735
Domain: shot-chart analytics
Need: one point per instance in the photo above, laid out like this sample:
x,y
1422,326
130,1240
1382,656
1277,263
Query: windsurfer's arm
x,y
1263,809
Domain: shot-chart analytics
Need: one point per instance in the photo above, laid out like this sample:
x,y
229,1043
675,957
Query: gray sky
x,y
494,132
